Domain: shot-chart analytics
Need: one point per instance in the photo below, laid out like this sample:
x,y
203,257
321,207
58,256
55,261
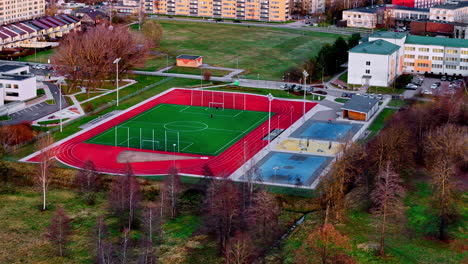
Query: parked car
x,y
236,21
426,92
344,95
380,97
411,86
450,78
444,78
284,86
350,95
434,86
372,96
365,95
310,89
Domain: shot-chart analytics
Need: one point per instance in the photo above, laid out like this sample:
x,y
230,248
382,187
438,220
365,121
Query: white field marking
x,y
248,129
182,110
216,129
186,147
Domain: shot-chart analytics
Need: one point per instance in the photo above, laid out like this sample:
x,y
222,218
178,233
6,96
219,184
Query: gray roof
x,y
15,77
9,67
452,6
360,104
188,57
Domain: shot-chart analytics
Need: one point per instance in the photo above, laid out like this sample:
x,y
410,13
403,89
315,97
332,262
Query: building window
x,y
410,48
367,71
368,63
424,49
464,52
452,51
409,64
409,56
12,94
463,67
423,65
437,58
437,66
451,67
423,57
464,60
438,50
451,59
7,85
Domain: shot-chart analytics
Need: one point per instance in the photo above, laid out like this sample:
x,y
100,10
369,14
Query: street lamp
x,y
270,98
60,82
305,74
116,62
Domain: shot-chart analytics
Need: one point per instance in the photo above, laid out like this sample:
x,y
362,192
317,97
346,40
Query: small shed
x,y
360,108
189,61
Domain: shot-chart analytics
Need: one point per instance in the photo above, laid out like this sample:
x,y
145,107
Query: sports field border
x,y
73,152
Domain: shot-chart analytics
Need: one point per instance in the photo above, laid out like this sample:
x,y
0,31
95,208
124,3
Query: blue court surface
x,y
322,130
289,168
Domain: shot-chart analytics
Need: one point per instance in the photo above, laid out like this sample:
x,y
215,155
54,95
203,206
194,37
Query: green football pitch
x,y
186,129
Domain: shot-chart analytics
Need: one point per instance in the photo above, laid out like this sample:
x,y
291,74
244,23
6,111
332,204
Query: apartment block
x,y
450,12
378,61
263,10
418,3
19,10
16,83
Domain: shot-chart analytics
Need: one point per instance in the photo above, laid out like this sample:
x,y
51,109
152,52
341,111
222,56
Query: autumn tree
x,y
151,231
444,149
207,76
59,230
262,217
387,198
125,197
88,181
46,162
104,248
171,188
15,134
324,245
222,210
153,31
240,249
88,57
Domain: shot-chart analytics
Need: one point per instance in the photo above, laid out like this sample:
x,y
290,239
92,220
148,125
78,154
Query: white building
x,y
386,55
16,84
19,10
450,12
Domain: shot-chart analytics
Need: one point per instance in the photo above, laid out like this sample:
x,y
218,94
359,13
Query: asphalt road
x,y
37,111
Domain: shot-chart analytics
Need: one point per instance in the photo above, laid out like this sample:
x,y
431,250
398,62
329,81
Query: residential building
x,y
378,61
18,10
27,34
16,83
264,10
426,27
418,3
364,17
450,12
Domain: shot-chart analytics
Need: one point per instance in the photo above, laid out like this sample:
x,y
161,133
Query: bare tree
x,y
88,181
207,76
223,209
46,162
59,230
16,134
152,230
444,148
125,246
240,249
125,197
104,248
387,198
263,216
172,188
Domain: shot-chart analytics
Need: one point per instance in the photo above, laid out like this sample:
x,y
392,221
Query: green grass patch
x,y
197,71
39,57
192,129
379,121
50,101
182,227
50,122
341,100
40,91
259,50
384,90
4,118
344,77
396,103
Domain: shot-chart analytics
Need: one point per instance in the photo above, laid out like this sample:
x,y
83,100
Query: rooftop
x,y
360,104
445,42
388,35
10,67
452,6
379,47
15,77
188,57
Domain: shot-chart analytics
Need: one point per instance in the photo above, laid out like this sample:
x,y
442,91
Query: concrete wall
x,y
26,89
382,68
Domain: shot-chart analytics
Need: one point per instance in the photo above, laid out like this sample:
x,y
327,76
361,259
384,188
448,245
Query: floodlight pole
x,y
174,145
60,99
270,98
116,62
305,74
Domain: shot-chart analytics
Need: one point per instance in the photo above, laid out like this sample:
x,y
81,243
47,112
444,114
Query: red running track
x,y
74,152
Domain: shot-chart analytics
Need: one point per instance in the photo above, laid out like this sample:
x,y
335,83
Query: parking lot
x,y
447,87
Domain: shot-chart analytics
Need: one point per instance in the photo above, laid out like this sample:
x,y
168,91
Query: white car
x,y
427,92
434,86
411,86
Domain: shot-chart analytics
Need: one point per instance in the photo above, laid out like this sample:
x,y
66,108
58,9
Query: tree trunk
x,y
43,193
382,232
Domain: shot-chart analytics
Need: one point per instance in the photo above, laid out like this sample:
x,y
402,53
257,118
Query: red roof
x,y
3,36
56,21
45,22
8,32
24,28
39,24
69,20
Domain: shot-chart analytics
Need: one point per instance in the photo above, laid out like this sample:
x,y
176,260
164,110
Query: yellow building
x,y
19,10
264,10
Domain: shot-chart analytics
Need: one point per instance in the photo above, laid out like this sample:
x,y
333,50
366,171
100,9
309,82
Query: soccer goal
x,y
216,105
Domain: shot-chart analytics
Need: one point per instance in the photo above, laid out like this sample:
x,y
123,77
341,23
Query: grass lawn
x,y
344,77
274,92
265,51
384,90
193,129
40,57
50,101
4,118
379,122
341,100
396,103
197,71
